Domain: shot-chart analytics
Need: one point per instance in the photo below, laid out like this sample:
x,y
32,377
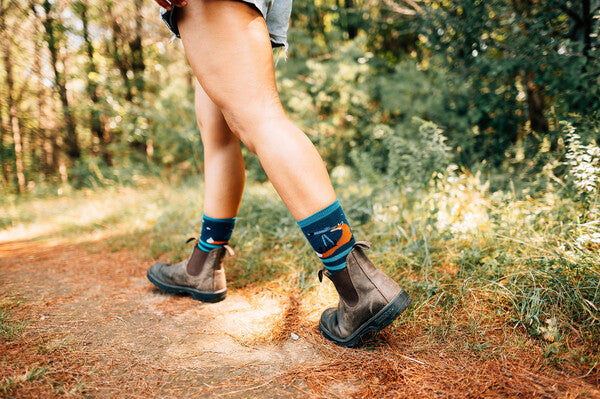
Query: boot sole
x,y
204,296
376,323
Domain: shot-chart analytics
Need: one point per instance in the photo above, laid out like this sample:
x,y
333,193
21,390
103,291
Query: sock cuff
x,y
207,247
337,268
340,256
226,220
215,232
329,209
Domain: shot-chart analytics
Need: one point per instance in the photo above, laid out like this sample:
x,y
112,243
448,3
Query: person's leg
x,y
202,274
224,178
224,175
228,47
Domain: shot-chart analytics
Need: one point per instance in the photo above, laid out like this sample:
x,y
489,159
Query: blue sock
x,y
328,233
215,233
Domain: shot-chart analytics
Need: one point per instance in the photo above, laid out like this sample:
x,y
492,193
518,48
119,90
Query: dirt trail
x,y
100,307
92,325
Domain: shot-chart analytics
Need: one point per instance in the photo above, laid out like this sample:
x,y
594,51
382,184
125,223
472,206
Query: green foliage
x,y
518,60
93,173
410,156
583,163
417,156
357,115
495,76
553,288
330,98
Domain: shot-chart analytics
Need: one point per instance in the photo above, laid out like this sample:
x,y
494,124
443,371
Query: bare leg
x,y
228,47
224,174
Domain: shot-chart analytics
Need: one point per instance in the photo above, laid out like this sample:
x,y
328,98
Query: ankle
x,y
215,232
330,236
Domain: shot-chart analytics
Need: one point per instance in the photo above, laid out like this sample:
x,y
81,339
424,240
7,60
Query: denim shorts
x,y
275,12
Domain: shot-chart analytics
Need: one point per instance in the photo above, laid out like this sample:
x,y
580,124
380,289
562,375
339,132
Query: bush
x,y
583,164
406,156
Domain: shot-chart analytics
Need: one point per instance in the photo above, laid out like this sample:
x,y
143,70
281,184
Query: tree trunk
x,y
4,129
96,124
44,149
71,144
17,138
117,52
53,144
41,132
351,23
137,51
535,104
588,23
13,121
3,160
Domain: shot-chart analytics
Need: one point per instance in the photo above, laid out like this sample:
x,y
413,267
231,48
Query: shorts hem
x,y
169,17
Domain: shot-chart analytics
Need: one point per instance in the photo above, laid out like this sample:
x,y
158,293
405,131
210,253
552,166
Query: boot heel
x,y
208,285
363,307
209,297
377,323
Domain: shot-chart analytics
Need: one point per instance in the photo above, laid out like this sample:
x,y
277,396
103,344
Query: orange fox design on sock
x,y
344,239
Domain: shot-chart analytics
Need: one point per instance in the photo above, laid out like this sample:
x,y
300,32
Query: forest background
x,y
466,132
94,91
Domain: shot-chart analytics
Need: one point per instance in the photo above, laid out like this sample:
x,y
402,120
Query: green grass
x,y
9,327
8,384
11,383
474,262
35,373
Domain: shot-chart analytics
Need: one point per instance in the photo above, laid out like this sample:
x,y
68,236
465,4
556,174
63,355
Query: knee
x,y
214,131
253,125
205,118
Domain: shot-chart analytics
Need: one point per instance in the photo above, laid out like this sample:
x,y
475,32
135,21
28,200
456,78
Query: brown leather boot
x,y
369,300
201,275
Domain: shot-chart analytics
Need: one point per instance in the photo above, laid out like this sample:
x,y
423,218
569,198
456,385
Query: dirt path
x,y
88,323
100,309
